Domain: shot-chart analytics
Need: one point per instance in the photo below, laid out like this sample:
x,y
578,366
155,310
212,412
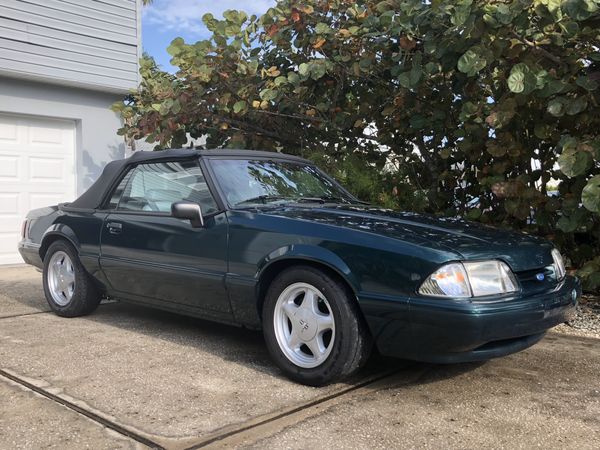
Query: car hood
x,y
469,239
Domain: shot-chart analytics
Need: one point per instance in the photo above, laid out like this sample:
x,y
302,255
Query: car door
x,y
146,254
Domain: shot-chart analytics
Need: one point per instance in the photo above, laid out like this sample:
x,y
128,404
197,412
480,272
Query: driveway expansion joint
x,y
84,412
24,315
272,418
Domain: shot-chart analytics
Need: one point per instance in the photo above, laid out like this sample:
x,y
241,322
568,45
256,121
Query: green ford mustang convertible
x,y
266,240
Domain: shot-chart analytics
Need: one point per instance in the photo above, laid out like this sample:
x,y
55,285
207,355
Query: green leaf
x,y
468,110
567,224
268,94
176,46
176,107
293,77
590,195
576,105
580,9
542,130
317,70
323,28
304,69
415,75
210,22
503,14
237,17
471,62
556,107
587,83
240,106
573,162
552,87
165,107
521,79
431,68
280,80
404,79
460,15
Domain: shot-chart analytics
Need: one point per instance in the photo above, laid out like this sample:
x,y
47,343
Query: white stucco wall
x,y
96,125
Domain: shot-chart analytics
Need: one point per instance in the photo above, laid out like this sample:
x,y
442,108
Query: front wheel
x,y
69,289
313,328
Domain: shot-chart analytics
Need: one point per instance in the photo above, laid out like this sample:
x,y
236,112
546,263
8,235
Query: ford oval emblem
x,y
540,276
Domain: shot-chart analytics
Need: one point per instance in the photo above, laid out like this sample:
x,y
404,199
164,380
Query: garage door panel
x,y
9,167
47,136
37,169
46,169
9,204
44,135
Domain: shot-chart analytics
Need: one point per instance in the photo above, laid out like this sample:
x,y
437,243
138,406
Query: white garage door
x,y
37,169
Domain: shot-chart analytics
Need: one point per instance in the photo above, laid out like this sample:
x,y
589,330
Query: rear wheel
x,y
313,328
69,290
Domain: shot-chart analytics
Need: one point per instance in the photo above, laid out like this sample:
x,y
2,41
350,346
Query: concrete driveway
x,y
131,377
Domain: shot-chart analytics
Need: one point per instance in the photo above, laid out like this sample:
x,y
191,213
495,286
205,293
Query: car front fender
x,y
312,254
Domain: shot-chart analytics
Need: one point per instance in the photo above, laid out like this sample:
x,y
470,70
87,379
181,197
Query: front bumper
x,y
448,331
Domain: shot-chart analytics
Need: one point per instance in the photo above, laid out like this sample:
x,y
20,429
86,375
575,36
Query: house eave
x,y
68,82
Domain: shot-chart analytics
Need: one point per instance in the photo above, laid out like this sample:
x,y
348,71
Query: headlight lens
x,y
448,281
470,279
559,265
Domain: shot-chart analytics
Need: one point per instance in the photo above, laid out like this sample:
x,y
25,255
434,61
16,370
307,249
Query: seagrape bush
x,y
483,109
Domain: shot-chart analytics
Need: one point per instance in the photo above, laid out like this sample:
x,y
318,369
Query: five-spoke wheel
x,y
313,327
61,278
69,290
304,325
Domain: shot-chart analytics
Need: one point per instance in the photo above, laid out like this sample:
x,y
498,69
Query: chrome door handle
x,y
114,227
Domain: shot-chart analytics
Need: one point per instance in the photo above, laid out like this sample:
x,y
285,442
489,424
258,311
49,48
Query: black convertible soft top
x,y
93,197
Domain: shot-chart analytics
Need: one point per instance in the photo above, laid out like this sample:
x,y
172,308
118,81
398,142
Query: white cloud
x,y
179,15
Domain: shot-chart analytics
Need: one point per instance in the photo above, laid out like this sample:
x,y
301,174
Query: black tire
x,y
352,344
85,298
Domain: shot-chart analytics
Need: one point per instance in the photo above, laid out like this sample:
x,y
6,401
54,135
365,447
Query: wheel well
x,y
279,266
49,240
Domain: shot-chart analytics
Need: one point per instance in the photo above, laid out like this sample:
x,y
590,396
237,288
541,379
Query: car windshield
x,y
251,182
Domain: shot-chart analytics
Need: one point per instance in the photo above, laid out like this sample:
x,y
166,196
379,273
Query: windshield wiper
x,y
321,199
262,199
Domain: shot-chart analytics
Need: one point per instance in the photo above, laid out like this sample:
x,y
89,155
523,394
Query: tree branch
x,y
534,46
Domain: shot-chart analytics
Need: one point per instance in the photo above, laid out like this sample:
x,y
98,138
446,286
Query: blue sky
x,y
164,20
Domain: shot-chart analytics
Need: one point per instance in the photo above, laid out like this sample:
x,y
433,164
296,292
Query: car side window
x,y
118,192
154,187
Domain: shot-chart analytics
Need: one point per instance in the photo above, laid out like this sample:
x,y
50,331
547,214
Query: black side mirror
x,y
190,211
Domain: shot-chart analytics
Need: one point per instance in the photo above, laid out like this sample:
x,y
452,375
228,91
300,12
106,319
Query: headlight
x,y
470,279
559,265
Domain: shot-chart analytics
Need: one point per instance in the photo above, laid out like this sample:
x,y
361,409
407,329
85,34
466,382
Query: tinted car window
x,y
154,187
261,181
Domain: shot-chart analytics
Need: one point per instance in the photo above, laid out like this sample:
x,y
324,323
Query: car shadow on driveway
x,y
246,347
21,293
